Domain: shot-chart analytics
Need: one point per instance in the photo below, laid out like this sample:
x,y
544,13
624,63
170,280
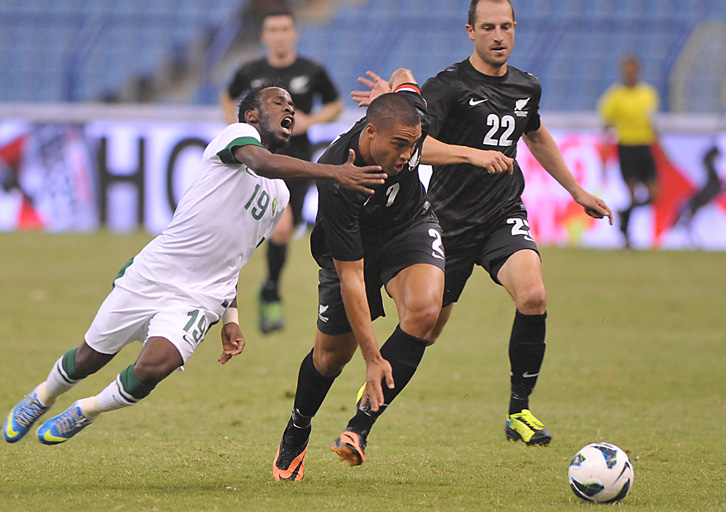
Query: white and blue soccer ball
x,y
601,473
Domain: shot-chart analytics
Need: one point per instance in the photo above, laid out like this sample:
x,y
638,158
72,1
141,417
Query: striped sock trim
x,y
131,388
67,367
63,375
122,394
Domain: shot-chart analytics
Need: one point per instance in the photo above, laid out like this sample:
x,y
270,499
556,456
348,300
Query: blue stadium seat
x,y
571,45
138,26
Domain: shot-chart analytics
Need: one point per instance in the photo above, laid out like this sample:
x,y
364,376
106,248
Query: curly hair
x,y
251,100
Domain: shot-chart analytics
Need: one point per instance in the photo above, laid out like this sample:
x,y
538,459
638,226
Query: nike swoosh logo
x,y
294,469
474,102
290,473
9,432
528,375
50,438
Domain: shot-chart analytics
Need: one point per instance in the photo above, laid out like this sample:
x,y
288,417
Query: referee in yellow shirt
x,y
627,108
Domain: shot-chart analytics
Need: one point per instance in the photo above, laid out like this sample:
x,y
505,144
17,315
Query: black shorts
x,y
420,243
298,189
636,163
511,234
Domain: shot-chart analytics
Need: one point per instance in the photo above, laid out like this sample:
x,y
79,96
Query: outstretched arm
x,y
353,291
272,165
544,149
436,152
378,86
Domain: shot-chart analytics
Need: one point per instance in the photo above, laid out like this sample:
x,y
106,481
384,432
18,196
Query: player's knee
x,y
532,301
87,361
420,321
330,363
151,373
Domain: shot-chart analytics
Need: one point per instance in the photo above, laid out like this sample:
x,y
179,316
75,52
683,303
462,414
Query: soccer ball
x,y
601,473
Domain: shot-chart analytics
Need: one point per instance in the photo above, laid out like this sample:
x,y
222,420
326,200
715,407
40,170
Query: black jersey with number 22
x,y
469,108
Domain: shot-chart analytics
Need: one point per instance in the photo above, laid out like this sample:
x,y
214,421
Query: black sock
x,y
298,429
276,256
311,389
526,352
624,217
404,352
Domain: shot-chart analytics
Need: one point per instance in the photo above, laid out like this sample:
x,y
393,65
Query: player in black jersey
x,y
305,80
390,239
486,104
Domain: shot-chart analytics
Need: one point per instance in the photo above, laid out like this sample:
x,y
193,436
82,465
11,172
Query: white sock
x,y
57,382
44,397
90,408
113,397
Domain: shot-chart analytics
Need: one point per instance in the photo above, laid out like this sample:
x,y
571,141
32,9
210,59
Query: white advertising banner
x,y
127,175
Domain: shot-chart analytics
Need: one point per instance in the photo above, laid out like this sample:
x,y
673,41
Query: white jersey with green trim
x,y
220,220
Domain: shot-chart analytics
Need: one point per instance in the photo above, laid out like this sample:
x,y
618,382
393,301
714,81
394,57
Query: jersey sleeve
x,y
232,137
339,209
654,99
240,83
533,119
605,104
326,88
440,96
338,213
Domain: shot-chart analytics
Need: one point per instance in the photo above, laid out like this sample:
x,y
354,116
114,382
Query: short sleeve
x,y
240,83
533,119
232,137
326,87
338,212
440,96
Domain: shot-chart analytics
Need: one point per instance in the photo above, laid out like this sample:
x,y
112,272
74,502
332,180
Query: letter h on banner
x,y
107,179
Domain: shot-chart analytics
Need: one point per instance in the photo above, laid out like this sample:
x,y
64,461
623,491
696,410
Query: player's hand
x,y
233,342
594,206
494,162
359,178
377,371
377,85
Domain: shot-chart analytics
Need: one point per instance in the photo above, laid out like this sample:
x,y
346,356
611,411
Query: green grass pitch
x,y
636,355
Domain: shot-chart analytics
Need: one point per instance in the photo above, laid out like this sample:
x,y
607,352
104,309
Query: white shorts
x,y
138,309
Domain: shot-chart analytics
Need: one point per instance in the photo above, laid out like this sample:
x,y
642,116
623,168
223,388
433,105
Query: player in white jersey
x,y
185,280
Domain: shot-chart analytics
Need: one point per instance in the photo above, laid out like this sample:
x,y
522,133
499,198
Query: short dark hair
x,y
391,107
279,11
473,5
251,101
630,57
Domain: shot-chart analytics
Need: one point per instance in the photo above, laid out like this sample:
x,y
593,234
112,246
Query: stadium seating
x,y
81,50
572,46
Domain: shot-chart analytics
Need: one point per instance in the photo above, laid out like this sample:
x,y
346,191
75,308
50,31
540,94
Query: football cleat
x,y
350,447
289,463
22,417
523,426
61,428
270,315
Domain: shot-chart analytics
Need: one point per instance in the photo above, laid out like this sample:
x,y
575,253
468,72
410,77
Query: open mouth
x,y
287,123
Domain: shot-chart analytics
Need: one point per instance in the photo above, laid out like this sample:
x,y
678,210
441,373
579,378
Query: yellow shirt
x,y
629,110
